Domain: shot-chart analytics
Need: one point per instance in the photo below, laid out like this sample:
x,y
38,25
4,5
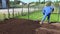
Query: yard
x,y
37,15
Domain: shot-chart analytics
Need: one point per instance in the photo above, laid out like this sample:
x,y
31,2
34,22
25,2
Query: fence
x,y
15,12
29,11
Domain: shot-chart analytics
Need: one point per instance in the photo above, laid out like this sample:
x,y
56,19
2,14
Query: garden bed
x,y
18,26
25,26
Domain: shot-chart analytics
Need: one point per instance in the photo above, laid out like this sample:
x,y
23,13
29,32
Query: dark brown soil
x,y
24,26
51,26
49,29
18,26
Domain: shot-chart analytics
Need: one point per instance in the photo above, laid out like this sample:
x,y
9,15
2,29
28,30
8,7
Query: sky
x,y
28,1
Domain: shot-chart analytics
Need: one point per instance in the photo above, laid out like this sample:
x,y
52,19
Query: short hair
x,y
48,3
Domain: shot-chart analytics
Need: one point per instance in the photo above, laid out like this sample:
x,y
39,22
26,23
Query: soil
x,y
53,28
18,26
25,26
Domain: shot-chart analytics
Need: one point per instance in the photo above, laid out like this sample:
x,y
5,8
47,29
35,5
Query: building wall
x,y
4,3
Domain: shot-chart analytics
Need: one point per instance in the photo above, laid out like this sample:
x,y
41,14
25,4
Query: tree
x,y
39,1
17,1
43,2
56,4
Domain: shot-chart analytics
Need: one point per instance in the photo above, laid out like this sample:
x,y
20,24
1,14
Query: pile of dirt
x,y
24,26
18,26
53,28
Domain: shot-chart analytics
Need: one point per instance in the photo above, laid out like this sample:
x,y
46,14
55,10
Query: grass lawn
x,y
37,15
5,16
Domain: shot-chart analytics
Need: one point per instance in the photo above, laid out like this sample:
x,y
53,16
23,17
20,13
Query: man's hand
x,y
43,13
52,9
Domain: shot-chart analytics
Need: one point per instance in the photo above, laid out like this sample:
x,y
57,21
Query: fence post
x,y
28,11
13,12
59,12
8,10
22,10
8,13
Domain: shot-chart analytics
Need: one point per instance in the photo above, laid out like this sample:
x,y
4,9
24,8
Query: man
x,y
47,10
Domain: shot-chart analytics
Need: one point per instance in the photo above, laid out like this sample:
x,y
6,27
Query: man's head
x,y
48,3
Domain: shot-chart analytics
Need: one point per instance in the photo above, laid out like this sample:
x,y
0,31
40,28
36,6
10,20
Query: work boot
x,y
49,22
40,23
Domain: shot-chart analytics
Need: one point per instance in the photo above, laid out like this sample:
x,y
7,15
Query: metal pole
x,y
39,1
39,5
44,1
59,12
28,11
13,12
8,11
22,10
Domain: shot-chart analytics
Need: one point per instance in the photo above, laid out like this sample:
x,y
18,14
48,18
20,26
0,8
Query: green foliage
x,y
56,4
12,3
16,1
43,2
37,3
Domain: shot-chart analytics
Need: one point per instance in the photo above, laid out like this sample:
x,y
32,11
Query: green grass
x,y
37,15
5,16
